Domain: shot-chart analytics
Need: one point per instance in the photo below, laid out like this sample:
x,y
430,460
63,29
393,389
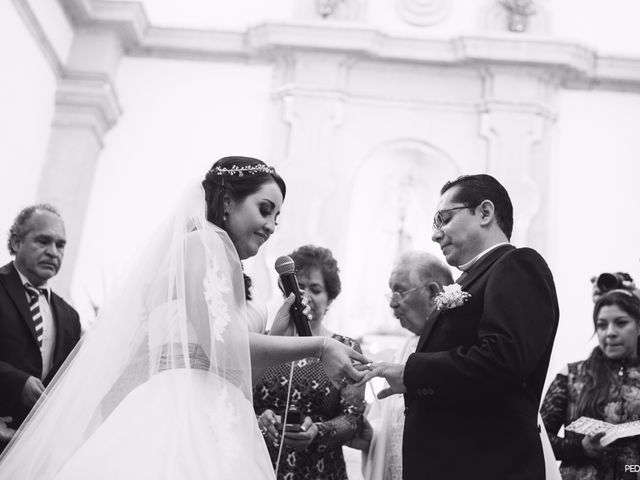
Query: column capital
x,y
86,100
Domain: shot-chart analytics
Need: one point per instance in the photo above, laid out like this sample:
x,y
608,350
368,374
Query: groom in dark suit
x,y
38,329
473,386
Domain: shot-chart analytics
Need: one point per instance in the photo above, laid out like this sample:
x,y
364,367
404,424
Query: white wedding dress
x,y
208,441
161,387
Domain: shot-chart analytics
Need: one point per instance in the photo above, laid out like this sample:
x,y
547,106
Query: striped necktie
x,y
34,308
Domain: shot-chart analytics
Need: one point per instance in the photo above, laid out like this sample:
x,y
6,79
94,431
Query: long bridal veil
x,y
164,377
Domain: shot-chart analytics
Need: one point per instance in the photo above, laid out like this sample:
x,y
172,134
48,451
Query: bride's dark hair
x,y
237,177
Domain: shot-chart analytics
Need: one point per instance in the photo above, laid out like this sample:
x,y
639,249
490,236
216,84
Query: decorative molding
x,y
82,98
326,8
88,101
129,19
423,13
518,12
579,66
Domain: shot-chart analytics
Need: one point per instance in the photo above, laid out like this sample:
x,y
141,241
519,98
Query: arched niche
x,y
393,198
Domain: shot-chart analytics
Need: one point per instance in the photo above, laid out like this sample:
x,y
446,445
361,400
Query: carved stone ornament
x,y
423,13
519,12
326,8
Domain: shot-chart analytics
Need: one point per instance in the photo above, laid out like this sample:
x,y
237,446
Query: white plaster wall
x,y
178,118
595,227
234,15
608,25
27,87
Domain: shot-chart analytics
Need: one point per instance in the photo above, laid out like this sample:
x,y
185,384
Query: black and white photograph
x,y
320,240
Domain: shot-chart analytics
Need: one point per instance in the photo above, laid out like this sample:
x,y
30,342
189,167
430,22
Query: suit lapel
x,y
433,318
475,272
61,332
11,280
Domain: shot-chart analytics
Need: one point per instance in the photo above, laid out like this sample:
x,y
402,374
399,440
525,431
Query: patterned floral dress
x,y
623,405
338,414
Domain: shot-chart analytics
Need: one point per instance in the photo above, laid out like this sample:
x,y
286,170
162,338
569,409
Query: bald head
x,y
417,277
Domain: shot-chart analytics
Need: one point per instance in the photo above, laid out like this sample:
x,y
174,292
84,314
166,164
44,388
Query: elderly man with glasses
x,y
415,281
473,386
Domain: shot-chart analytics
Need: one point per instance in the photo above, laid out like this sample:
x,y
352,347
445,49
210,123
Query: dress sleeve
x,y
553,413
339,430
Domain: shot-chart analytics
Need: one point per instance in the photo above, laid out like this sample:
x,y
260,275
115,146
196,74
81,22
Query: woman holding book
x,y
605,386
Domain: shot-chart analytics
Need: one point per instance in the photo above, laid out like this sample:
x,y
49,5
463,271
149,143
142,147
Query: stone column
x,y
86,108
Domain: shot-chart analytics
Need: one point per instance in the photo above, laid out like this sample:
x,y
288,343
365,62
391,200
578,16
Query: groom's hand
x,y
393,373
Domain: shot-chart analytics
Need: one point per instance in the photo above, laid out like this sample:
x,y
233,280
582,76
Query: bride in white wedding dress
x,y
161,387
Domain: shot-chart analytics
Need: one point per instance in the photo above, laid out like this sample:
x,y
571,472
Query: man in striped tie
x,y
38,329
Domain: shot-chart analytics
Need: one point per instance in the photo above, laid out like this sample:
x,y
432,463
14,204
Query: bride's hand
x,y
282,324
337,361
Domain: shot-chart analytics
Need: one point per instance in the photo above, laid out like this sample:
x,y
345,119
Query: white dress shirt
x,y
465,267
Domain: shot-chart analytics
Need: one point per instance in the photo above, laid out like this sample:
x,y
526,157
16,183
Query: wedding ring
x,y
369,365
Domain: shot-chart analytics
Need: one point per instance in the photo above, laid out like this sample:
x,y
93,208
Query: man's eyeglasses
x,y
397,296
441,217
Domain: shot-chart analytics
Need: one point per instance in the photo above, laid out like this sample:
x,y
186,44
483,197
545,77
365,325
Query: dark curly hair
x,y
594,396
238,187
309,257
18,230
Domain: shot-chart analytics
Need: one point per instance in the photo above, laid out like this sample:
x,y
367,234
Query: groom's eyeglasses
x,y
442,217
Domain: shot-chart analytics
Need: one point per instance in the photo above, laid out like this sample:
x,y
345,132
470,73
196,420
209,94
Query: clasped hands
x,y
362,370
592,446
342,364
271,427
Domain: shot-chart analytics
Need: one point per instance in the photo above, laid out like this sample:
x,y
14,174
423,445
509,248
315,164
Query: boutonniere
x,y
453,296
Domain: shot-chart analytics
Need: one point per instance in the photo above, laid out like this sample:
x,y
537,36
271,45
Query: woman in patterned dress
x,y
605,386
331,414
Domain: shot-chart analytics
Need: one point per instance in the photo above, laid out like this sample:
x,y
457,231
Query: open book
x,y
613,432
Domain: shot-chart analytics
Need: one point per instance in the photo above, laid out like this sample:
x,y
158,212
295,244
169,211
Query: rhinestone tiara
x,y
242,171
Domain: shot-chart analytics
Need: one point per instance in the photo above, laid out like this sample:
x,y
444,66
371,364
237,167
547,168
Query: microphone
x,y
287,271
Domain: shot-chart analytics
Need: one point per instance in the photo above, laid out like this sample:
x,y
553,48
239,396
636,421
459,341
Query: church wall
x,y
593,226
178,118
27,87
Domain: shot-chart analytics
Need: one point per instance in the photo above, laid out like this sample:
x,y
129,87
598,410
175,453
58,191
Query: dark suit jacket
x,y
20,355
475,381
